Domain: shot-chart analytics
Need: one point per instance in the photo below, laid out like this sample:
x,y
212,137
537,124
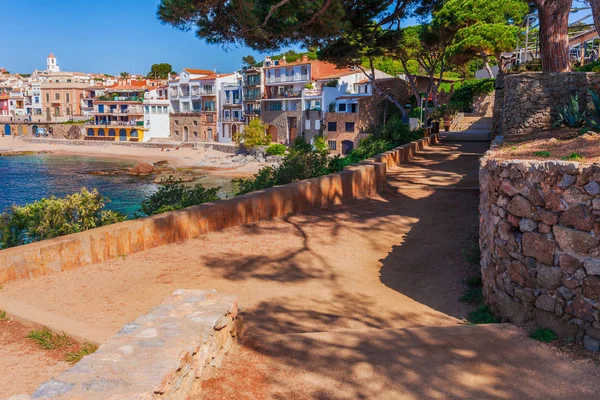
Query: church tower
x,y
51,65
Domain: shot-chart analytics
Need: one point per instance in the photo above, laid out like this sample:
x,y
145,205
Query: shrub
x,y
174,195
52,217
49,340
570,114
543,335
254,134
276,149
594,119
320,143
482,315
86,348
463,97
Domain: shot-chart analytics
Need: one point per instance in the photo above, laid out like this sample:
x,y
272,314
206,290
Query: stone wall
x,y
164,354
191,127
529,100
156,145
280,120
540,243
359,181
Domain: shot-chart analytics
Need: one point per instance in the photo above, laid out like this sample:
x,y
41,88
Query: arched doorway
x,y
133,134
7,130
186,134
101,132
90,132
209,134
112,132
20,130
34,129
122,135
234,130
273,133
347,146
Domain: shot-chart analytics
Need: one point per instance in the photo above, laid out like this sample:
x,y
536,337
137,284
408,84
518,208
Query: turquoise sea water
x,y
24,179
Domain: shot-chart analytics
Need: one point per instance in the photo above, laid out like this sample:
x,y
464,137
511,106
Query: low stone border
x,y
91,143
540,244
161,355
359,181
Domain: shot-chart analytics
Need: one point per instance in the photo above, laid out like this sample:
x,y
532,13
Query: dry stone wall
x,y
540,242
164,354
527,102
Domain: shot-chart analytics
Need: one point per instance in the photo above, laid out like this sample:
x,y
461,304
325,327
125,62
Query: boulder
x,y
579,217
549,278
517,272
581,309
521,207
592,188
545,216
591,287
546,303
569,263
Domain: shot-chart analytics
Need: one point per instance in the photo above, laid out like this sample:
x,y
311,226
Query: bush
x,y
570,114
174,195
52,217
276,149
543,335
463,97
254,134
320,144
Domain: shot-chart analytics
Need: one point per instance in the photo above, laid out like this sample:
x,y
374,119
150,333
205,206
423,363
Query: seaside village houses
x,y
304,98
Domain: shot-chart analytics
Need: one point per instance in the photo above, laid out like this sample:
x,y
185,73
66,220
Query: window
x,y
332,126
307,124
185,106
177,133
209,133
342,107
68,111
57,111
276,106
332,144
353,108
349,126
317,124
56,96
47,97
226,115
195,123
236,115
147,108
210,118
209,106
195,133
68,97
207,89
176,122
37,100
153,109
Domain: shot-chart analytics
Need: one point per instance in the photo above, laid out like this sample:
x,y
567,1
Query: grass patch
x,y
543,335
48,340
482,315
86,348
543,154
573,157
473,296
2,314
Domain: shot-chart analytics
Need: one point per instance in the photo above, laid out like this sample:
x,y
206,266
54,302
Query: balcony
x,y
116,123
252,82
312,92
119,98
288,94
283,79
203,93
135,111
232,102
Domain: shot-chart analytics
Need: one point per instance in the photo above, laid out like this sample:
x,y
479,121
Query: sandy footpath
x,y
184,157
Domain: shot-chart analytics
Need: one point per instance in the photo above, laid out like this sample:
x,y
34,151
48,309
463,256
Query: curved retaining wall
x,y
540,243
359,181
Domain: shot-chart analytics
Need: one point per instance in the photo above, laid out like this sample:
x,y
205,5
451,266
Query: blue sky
x,y
111,36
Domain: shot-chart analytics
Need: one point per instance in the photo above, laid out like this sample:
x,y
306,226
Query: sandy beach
x,y
215,162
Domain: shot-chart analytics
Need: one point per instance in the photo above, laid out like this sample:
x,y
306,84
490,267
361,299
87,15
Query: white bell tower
x,y
51,65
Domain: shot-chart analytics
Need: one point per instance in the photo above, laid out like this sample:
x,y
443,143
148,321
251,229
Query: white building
x,y
157,108
51,64
231,111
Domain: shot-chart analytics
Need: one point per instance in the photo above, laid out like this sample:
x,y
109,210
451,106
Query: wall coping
x,y
161,355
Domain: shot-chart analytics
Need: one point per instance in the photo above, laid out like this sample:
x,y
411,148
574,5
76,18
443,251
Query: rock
x,y
575,195
546,303
596,204
554,202
518,274
545,216
567,181
521,207
502,201
52,388
549,278
142,168
513,220
525,295
592,267
592,188
574,240
580,274
543,228
527,225
566,293
517,313
591,287
569,263
572,284
539,247
579,217
560,326
581,309
593,332
591,344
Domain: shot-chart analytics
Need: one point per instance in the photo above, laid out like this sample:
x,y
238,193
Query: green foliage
x,y
594,119
174,195
52,217
464,94
543,335
543,154
276,149
473,296
249,61
2,314
48,340
86,348
125,75
254,134
482,315
160,71
591,67
472,254
415,113
320,143
571,114
573,157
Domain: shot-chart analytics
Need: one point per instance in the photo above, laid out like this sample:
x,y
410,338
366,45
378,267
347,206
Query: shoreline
x,y
213,161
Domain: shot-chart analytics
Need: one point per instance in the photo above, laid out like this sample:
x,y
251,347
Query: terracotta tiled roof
x,y
199,71
340,74
51,56
4,96
211,76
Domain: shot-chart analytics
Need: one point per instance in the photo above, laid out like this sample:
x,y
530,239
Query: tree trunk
x,y
486,62
412,83
380,92
554,34
596,13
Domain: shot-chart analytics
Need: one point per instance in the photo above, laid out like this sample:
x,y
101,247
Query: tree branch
x,y
273,8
